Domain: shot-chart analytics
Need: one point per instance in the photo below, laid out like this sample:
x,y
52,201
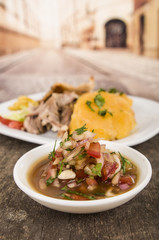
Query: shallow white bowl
x,y
25,162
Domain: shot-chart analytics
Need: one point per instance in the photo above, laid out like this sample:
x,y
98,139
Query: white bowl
x,y
25,162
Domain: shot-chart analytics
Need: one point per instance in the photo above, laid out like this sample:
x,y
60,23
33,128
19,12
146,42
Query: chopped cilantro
x,y
99,100
64,188
89,105
101,90
79,181
81,156
113,90
61,166
97,169
81,150
69,149
49,181
52,154
81,194
124,160
81,130
68,138
91,177
104,112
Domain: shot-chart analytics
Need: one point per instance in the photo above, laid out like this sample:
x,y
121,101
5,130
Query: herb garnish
x,y
102,112
81,156
97,169
61,166
68,138
61,144
114,90
124,160
89,105
81,130
52,154
66,197
81,150
99,100
64,188
101,90
81,194
50,180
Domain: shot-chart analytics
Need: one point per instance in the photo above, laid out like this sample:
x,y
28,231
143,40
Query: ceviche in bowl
x,y
82,174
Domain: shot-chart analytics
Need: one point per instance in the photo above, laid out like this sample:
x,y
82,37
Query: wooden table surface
x,y
23,219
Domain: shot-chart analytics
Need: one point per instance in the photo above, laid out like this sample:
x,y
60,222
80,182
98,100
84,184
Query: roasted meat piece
x,y
55,108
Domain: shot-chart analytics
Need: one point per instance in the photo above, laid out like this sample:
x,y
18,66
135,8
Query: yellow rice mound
x,y
110,127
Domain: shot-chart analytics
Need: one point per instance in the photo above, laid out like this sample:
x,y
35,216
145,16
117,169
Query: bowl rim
x,y
82,203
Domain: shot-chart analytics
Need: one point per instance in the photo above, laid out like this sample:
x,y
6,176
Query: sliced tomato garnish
x,y
126,179
11,123
108,169
94,150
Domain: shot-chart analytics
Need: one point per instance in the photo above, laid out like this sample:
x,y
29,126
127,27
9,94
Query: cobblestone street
x,y
111,68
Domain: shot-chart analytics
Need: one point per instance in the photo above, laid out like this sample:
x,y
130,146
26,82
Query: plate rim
x,y
40,139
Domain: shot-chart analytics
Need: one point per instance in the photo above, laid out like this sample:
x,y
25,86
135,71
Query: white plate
x,y
146,114
23,165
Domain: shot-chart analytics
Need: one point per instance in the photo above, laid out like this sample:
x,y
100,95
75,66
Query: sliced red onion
x,y
124,186
101,159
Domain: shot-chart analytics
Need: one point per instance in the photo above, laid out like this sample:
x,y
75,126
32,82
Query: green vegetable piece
x,y
82,148
61,144
81,130
52,154
61,166
81,156
79,181
49,181
66,197
89,105
64,188
68,138
81,194
102,113
97,169
101,90
99,100
113,90
124,160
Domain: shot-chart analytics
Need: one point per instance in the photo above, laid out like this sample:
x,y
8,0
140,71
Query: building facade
x,y
145,26
19,25
96,24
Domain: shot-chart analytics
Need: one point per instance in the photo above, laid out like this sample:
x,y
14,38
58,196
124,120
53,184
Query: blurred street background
x,y
43,42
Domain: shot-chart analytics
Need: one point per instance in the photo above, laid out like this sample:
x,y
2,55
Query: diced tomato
x,y
126,179
108,169
80,174
91,182
11,123
94,150
58,154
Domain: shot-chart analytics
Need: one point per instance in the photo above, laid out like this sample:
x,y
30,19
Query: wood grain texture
x,y
23,219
